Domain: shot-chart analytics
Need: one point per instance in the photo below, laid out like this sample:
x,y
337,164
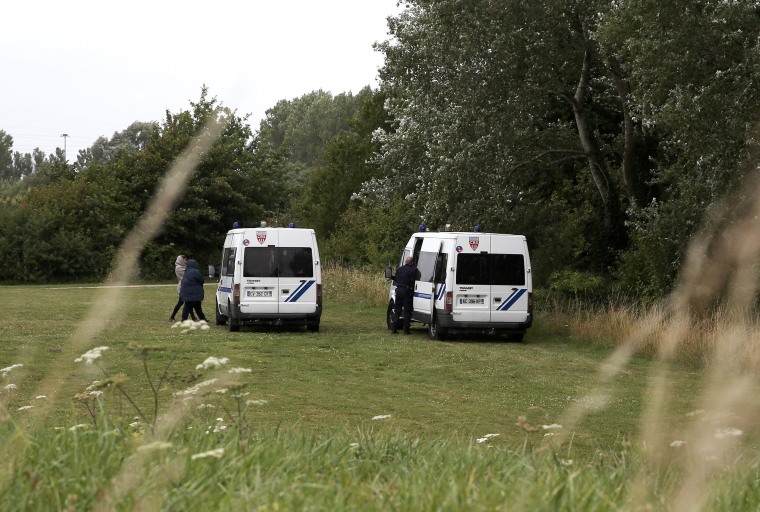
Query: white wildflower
x,y
205,327
485,438
194,389
134,424
354,445
677,443
10,387
221,391
239,370
7,369
206,406
40,397
211,453
728,432
25,407
91,356
566,462
212,362
698,412
381,417
77,427
256,402
96,393
553,426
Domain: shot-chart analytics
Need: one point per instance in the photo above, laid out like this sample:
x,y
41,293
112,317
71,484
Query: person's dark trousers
x,y
190,306
178,305
403,301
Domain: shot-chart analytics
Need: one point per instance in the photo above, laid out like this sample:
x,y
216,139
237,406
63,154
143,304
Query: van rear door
x,y
296,256
259,287
472,289
509,279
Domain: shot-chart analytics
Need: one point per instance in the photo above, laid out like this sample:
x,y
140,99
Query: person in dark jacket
x,y
179,270
406,275
191,291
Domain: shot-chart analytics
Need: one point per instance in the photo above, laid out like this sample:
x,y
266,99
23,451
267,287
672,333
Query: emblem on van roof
x,y
474,242
261,236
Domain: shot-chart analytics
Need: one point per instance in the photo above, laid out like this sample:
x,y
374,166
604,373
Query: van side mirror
x,y
389,273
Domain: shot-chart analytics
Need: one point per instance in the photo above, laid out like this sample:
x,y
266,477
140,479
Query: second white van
x,y
269,276
469,282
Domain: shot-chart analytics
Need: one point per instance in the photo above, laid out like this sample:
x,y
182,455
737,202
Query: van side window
x,y
416,253
228,262
295,262
440,268
260,262
426,266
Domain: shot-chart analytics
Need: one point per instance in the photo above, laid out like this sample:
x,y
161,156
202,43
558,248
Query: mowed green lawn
x,y
337,379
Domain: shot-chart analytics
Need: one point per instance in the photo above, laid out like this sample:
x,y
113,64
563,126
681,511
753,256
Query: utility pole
x,y
64,135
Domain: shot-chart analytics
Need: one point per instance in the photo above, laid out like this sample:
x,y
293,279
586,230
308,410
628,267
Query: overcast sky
x,y
89,68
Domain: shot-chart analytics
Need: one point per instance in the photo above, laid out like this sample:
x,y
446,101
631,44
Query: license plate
x,y
258,293
472,301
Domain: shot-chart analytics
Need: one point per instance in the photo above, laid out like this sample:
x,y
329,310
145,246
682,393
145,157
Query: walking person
x,y
406,275
191,291
179,270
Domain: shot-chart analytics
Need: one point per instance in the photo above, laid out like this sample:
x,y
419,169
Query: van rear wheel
x,y
220,318
232,324
435,331
389,317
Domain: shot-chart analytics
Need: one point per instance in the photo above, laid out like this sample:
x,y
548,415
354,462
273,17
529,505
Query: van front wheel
x,y
435,331
389,317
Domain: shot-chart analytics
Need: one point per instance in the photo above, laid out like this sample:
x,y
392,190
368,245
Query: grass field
x,y
350,418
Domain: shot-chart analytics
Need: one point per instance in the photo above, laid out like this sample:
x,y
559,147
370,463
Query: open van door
x,y
424,295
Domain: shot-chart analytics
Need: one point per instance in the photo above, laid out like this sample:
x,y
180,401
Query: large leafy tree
x,y
561,119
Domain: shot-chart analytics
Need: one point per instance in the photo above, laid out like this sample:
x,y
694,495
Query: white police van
x,y
469,282
269,276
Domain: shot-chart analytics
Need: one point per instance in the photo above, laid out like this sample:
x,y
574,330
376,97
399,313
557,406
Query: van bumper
x,y
446,321
274,318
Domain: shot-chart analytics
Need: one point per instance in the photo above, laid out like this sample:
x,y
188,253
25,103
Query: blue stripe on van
x,y
293,297
509,302
423,295
224,289
441,292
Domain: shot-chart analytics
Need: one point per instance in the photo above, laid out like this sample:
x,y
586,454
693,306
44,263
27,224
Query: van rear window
x,y
491,269
278,262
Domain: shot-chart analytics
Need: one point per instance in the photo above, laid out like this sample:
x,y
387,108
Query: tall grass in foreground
x,y
345,470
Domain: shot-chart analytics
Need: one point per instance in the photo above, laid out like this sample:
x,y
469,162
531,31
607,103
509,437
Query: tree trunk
x,y
628,129
587,139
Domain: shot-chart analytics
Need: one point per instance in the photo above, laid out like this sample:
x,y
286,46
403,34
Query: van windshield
x,y
278,262
491,269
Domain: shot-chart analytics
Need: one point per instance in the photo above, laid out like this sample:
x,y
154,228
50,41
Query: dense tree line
x,y
602,130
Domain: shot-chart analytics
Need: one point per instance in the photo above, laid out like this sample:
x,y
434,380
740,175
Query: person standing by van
x,y
406,275
191,291
179,270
